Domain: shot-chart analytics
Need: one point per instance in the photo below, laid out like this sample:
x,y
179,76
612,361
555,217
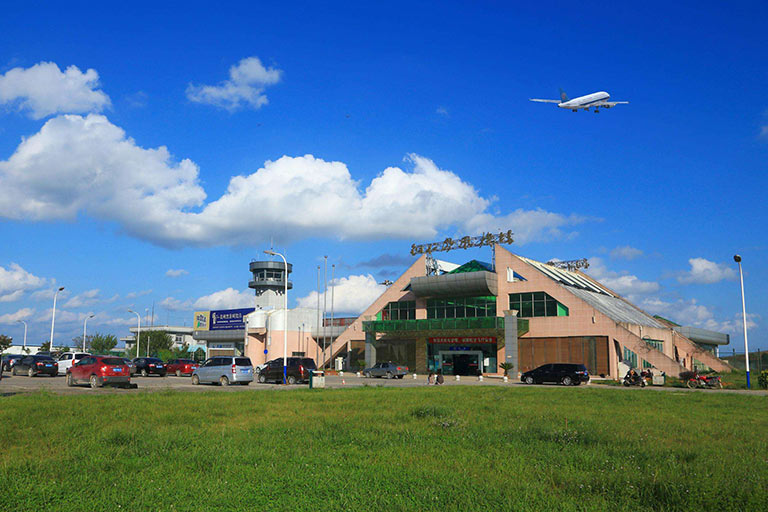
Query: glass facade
x,y
404,310
534,304
630,358
398,351
657,344
462,359
462,307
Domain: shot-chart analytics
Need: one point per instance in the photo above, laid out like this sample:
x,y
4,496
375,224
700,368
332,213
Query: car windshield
x,y
43,358
243,361
112,361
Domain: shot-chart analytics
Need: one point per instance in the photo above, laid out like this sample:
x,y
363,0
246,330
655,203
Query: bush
x,y
506,367
762,379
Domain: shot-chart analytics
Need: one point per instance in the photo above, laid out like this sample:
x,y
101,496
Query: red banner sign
x,y
463,340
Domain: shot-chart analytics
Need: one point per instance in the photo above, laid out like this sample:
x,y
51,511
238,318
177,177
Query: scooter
x,y
705,381
634,381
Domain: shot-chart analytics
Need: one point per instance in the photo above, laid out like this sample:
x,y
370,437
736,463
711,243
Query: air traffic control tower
x,y
268,281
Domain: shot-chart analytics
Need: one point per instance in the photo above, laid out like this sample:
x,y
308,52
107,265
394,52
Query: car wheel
x,y
144,373
291,380
691,383
567,381
195,380
178,373
719,385
262,378
400,376
94,382
70,382
31,372
529,380
389,375
366,375
224,381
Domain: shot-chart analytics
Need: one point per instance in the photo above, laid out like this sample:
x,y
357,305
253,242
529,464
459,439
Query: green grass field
x,y
449,448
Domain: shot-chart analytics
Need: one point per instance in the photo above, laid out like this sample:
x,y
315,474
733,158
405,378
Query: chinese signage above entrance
x,y
466,242
225,319
462,340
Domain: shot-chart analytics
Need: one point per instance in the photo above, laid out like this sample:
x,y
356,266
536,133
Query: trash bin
x,y
658,380
317,379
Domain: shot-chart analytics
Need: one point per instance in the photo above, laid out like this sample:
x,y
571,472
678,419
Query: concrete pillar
x,y
370,349
510,340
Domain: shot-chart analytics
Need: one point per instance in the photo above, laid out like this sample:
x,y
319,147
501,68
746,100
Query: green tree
x,y
158,340
101,343
45,346
5,342
199,355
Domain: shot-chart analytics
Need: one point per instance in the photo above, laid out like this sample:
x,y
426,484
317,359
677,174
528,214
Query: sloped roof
x,y
615,308
567,277
473,266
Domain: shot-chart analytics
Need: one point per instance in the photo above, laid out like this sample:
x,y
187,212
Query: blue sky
x,y
417,120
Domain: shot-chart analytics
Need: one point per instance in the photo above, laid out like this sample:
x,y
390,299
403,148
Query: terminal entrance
x,y
468,362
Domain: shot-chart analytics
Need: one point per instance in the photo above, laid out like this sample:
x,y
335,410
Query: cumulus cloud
x,y
626,252
703,271
351,294
226,299
690,312
622,283
12,318
87,298
245,87
134,295
442,111
78,164
175,272
15,281
43,90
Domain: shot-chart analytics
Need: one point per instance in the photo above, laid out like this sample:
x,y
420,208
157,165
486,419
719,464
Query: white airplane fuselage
x,y
585,101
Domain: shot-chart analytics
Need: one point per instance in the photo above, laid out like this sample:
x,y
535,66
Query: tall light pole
x,y
85,322
325,302
317,332
25,334
138,331
149,331
333,277
53,317
285,317
737,259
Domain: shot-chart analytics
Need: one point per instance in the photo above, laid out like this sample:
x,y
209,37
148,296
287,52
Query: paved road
x,y
24,384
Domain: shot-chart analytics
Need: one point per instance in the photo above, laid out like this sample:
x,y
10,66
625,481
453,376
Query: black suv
x,y
148,365
567,374
298,370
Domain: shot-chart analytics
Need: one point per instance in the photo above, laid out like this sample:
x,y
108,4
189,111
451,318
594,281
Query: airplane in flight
x,y
596,100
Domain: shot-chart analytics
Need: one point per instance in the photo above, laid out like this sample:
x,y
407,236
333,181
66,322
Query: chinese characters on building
x,y
484,240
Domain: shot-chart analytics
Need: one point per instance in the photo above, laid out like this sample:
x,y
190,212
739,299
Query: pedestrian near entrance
x,y
440,378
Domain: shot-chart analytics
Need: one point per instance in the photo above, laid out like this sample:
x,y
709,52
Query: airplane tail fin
x,y
563,96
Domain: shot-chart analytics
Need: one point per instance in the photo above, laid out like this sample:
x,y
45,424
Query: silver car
x,y
224,370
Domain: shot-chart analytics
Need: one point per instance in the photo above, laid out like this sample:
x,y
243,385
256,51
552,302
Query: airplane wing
x,y
545,101
608,104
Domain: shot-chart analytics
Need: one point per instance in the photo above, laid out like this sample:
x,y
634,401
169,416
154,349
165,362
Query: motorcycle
x,y
637,380
704,382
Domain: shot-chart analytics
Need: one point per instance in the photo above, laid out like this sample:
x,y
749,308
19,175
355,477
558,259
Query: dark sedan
x,y
567,374
9,360
36,365
150,365
388,370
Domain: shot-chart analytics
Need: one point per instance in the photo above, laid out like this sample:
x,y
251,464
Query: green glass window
x,y
462,307
630,358
404,310
657,344
646,364
536,304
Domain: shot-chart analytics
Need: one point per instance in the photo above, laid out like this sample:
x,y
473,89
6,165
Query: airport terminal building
x,y
468,319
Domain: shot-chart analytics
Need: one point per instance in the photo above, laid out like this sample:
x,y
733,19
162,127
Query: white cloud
x,y
87,165
691,313
175,272
12,318
704,271
47,294
626,252
134,295
174,304
226,299
87,298
14,281
622,283
245,87
442,111
350,294
44,89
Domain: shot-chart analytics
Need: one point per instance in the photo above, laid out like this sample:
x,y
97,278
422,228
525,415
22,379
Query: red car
x,y
99,370
181,366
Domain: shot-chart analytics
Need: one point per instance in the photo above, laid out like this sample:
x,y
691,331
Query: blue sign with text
x,y
228,319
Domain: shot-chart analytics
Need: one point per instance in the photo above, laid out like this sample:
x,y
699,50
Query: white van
x,y
67,359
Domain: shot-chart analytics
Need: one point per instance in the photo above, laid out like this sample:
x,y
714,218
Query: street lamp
x,y
85,322
53,318
25,333
737,259
138,332
285,318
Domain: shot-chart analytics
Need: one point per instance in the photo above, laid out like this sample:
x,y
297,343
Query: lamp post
x,y
85,322
25,334
138,331
53,318
737,259
285,317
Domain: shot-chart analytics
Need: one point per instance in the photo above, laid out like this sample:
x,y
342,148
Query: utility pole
x,y
325,302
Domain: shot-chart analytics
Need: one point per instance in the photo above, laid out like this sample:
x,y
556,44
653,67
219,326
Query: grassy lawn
x,y
450,448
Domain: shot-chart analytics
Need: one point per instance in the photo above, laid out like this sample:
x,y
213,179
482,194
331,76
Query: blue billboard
x,y
228,319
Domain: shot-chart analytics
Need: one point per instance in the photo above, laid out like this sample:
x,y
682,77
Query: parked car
x,y
35,365
98,371
297,370
9,360
129,363
181,366
561,373
389,370
225,370
150,365
68,358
